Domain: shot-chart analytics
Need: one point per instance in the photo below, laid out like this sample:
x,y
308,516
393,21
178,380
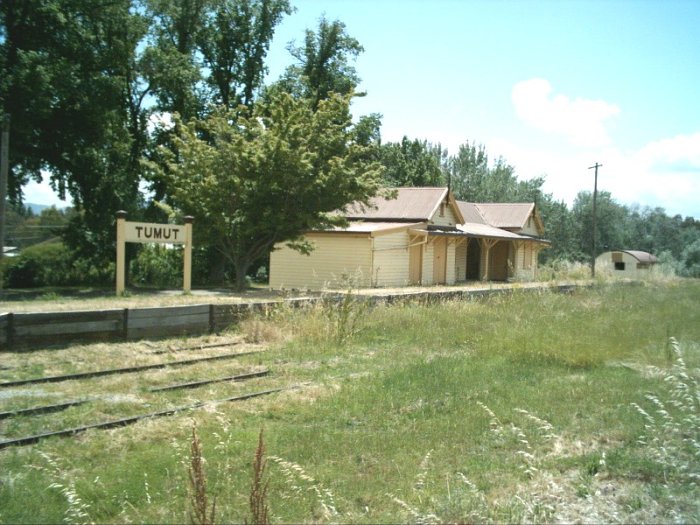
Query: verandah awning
x,y
476,230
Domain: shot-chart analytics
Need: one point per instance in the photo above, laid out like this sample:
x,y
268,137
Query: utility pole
x,y
595,217
4,163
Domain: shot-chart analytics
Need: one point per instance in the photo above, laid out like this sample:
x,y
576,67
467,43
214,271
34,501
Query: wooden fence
x,y
24,331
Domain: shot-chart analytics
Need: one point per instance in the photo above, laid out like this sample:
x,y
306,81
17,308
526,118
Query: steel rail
x,y
193,384
40,410
125,370
30,440
197,347
45,409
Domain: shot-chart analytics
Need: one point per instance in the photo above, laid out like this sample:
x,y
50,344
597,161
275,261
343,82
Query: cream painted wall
x,y
447,219
336,259
390,256
461,261
530,228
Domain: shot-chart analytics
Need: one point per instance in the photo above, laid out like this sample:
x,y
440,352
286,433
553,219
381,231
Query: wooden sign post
x,y
144,232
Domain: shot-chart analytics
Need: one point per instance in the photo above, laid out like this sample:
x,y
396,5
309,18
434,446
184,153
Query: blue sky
x,y
551,86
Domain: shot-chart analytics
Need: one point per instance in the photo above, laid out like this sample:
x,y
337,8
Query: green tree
x,y
207,54
169,62
609,222
68,75
469,168
234,42
413,163
255,177
561,230
323,64
473,180
690,260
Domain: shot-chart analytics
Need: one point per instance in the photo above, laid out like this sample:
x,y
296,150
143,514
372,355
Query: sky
x,y
551,86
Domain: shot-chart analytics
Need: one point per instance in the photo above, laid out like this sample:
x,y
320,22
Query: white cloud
x,y
42,193
678,154
581,121
664,173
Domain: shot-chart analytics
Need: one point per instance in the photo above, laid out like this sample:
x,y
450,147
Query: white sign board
x,y
147,232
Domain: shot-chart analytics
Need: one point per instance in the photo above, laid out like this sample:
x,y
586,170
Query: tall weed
x,y
77,510
672,422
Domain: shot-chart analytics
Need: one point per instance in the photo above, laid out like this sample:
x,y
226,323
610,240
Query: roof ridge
x,y
481,213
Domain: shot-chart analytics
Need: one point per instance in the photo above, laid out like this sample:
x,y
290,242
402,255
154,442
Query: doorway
x,y
440,260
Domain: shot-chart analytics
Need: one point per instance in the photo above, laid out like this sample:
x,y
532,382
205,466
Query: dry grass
x,y
550,442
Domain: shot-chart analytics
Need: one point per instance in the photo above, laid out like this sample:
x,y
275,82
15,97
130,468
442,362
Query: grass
x,y
532,406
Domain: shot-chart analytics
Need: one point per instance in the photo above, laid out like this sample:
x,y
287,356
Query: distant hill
x,y
37,208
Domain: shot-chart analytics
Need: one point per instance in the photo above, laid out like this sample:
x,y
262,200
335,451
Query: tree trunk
x,y
241,266
217,269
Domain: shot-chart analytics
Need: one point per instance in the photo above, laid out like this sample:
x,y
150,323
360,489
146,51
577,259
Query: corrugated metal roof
x,y
498,214
471,212
411,204
484,230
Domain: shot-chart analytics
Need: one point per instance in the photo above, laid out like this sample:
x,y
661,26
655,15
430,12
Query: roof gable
x,y
410,205
506,215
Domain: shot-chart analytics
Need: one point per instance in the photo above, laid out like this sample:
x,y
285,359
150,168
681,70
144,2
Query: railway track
x,y
195,347
122,422
124,370
41,409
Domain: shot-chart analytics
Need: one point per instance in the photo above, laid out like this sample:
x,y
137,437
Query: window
x,y
620,266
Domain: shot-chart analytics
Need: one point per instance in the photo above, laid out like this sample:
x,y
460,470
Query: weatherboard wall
x,y
337,261
390,259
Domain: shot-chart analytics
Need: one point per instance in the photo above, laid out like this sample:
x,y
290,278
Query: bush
x,y
157,265
690,259
39,265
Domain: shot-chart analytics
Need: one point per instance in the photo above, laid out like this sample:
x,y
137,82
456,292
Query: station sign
x,y
161,233
146,232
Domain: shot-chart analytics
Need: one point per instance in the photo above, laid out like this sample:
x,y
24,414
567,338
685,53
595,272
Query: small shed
x,y
626,263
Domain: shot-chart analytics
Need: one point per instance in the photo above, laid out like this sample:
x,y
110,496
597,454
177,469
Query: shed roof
x,y
410,205
642,257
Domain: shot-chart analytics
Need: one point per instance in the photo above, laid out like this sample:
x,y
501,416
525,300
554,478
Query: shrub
x,y
40,265
690,258
157,265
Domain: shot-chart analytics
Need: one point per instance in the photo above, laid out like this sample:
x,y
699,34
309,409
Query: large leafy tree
x,y
255,177
68,77
208,55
